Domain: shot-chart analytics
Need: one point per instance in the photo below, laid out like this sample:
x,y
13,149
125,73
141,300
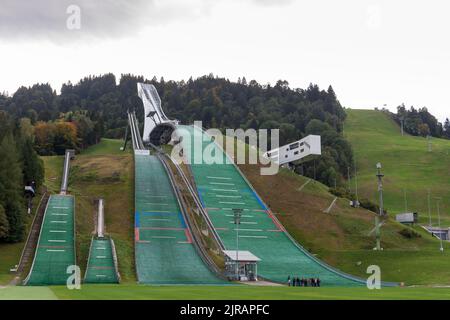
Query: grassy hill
x,y
407,165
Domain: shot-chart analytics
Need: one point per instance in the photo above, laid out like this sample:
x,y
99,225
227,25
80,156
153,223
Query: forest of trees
x,y
96,107
419,122
19,166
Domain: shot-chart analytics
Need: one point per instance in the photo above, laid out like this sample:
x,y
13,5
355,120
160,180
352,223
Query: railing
x,y
36,219
116,261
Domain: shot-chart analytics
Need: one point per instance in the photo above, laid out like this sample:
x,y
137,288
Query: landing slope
x,y
165,253
56,247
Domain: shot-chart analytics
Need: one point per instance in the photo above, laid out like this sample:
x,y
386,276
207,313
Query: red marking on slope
x,y
188,235
275,221
136,234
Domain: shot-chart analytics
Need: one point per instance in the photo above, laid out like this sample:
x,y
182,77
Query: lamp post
x,y
429,207
237,221
381,213
439,224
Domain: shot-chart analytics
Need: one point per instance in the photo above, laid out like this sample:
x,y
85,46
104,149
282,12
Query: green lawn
x,y
106,146
137,292
406,162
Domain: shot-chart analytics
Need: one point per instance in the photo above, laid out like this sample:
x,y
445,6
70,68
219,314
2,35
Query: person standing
x,y
289,281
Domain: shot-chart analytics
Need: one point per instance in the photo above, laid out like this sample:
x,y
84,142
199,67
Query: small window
x,y
293,146
302,150
296,153
286,156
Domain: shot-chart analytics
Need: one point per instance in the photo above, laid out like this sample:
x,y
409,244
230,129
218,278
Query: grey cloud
x,y
99,18
46,19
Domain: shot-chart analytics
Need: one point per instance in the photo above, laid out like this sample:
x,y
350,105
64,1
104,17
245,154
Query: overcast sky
x,y
372,52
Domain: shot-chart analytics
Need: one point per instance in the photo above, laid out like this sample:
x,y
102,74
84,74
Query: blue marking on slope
x,y
183,223
137,220
259,200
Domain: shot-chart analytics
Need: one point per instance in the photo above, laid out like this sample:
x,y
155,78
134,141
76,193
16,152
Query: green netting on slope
x,y
55,250
164,250
222,188
100,268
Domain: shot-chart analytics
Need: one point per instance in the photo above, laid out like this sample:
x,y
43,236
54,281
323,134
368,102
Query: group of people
x,y
303,282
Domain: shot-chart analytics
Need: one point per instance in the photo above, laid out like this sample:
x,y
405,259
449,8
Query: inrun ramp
x,y
221,188
101,267
56,246
164,253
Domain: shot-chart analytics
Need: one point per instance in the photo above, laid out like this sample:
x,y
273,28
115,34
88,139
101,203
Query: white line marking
x,y
58,221
100,248
58,231
225,190
255,230
259,237
53,250
222,183
223,196
59,214
100,275
231,202
243,216
56,240
221,178
101,257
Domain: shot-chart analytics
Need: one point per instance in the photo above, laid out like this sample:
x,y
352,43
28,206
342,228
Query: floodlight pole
x,y
429,207
439,223
381,213
356,187
237,222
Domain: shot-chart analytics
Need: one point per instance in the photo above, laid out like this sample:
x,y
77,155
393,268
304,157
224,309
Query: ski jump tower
x,y
158,127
